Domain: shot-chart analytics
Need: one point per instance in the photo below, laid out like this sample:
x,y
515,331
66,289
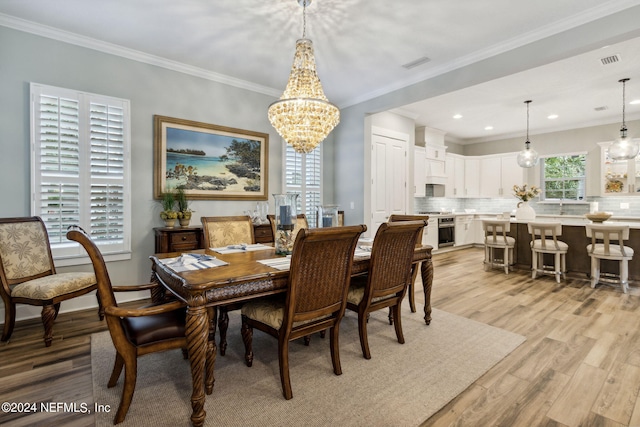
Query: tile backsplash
x,y
486,205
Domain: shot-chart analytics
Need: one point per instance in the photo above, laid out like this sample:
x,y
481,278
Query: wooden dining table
x,y
242,279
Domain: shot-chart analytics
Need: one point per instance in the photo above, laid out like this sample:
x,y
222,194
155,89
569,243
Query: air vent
x,y
417,62
610,59
601,108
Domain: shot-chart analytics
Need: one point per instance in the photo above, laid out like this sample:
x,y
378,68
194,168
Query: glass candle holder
x,y
285,218
327,216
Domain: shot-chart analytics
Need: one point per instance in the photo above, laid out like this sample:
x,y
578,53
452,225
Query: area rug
x,y
402,384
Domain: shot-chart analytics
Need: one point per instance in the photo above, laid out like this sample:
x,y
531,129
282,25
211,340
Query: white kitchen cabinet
x,y
455,169
471,177
498,175
618,177
465,230
478,231
435,164
430,234
419,172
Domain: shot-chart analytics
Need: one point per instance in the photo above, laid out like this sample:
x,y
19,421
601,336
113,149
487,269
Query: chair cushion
x,y
148,329
270,311
356,291
550,246
499,242
23,249
614,251
54,285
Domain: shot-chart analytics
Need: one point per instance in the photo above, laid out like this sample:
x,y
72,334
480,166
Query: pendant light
x,y
528,157
624,148
303,116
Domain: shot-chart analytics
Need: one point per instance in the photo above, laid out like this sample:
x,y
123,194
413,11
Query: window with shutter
x,y
81,169
303,175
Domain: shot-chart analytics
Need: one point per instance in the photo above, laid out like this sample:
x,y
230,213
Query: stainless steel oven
x,y
446,231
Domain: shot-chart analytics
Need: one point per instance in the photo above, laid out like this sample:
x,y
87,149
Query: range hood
x,y
435,190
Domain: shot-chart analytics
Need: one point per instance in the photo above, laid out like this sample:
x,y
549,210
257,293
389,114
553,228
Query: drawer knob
x,y
184,238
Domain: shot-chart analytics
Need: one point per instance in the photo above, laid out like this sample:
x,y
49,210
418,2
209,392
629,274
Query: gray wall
x,y
26,58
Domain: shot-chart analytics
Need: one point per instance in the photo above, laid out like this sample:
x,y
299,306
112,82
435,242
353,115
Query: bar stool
x,y
495,237
547,243
609,249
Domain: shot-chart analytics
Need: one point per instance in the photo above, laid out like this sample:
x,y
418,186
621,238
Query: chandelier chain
x,y
624,81
304,19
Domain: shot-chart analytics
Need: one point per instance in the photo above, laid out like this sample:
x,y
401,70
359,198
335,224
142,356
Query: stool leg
x,y
557,266
624,275
595,271
534,264
564,265
506,260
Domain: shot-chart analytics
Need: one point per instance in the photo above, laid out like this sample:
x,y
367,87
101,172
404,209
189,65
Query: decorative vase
x,y
524,212
327,216
286,217
170,222
184,222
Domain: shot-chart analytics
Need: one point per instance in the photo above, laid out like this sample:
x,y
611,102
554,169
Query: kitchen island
x,y
574,235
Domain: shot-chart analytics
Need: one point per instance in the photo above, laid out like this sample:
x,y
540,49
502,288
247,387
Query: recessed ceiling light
x,y
457,116
635,102
488,128
552,116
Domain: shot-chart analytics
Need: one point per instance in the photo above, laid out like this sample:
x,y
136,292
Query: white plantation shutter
x,y
81,168
303,175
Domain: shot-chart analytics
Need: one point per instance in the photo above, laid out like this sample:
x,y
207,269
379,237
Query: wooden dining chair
x,y
134,332
388,278
220,231
28,275
315,300
415,267
301,222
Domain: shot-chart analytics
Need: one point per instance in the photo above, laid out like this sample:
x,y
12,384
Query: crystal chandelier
x,y
624,148
528,157
303,116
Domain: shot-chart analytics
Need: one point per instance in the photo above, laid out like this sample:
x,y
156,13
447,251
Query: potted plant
x,y
168,214
184,213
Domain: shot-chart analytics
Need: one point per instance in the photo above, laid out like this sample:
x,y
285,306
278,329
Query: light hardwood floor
x,y
580,364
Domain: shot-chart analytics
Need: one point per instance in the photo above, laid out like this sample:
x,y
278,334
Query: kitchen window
x,y
80,170
303,176
563,177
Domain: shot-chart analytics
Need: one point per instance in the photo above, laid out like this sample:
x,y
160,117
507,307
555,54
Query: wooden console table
x,y
180,239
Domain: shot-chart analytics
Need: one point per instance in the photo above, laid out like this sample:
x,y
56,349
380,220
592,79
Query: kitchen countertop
x,y
577,220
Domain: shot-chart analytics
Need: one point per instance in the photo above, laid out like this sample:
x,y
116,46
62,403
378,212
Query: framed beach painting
x,y
209,161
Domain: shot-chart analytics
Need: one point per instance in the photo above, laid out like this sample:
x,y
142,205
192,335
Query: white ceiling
x,y
360,47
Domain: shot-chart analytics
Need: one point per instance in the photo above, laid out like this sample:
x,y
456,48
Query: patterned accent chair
x,y
28,275
315,300
222,231
388,278
134,331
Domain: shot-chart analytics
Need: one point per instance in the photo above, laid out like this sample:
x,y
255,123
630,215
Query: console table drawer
x,y
178,239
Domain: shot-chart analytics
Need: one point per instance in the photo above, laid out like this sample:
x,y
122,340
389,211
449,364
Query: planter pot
x,y
524,212
170,223
184,222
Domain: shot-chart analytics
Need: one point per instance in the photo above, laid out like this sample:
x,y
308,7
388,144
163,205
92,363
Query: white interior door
x,y
388,179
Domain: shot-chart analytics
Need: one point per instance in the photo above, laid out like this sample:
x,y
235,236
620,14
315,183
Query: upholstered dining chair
x,y
415,268
544,240
28,275
388,278
607,242
220,231
134,332
496,239
315,299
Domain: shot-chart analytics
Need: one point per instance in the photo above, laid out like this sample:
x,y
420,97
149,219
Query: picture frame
x,y
209,162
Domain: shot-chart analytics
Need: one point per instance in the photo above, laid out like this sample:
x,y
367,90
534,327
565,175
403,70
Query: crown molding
x,y
135,55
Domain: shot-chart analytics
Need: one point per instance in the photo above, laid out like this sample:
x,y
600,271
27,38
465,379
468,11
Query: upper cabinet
x,y
498,175
618,177
463,175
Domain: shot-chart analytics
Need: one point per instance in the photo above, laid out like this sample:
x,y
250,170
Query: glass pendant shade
x,y
624,148
528,157
303,116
